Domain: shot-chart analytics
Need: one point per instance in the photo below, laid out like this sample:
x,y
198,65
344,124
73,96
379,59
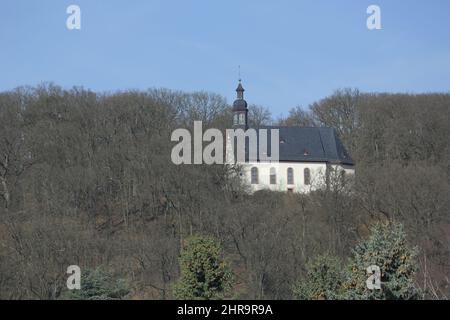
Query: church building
x,y
309,157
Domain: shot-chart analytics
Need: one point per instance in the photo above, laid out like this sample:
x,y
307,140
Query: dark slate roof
x,y
240,105
309,144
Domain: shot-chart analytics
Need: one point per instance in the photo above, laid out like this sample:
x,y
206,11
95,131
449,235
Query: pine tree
x,y
386,248
204,274
323,280
97,284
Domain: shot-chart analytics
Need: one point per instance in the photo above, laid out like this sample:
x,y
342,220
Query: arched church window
x,y
307,176
254,175
290,176
342,177
273,176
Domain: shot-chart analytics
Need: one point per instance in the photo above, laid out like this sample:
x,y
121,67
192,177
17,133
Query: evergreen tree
x,y
98,284
386,248
204,274
323,280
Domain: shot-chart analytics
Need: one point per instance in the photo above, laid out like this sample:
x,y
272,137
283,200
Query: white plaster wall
x,y
317,175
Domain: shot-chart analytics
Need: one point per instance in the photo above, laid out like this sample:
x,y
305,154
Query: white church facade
x,y
309,157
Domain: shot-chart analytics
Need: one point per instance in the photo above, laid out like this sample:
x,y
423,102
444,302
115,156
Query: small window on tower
x,y
241,119
235,119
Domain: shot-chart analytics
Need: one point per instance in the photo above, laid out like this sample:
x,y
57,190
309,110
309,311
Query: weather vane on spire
x,y
239,72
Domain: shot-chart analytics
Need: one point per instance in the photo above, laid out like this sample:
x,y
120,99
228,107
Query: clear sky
x,y
291,52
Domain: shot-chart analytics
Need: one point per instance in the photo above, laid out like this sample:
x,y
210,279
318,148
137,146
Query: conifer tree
x,y
98,284
204,274
323,280
386,248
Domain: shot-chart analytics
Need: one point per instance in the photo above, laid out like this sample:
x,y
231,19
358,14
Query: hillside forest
x,y
86,179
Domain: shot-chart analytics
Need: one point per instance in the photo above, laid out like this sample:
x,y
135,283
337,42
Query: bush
x,y
386,248
98,284
204,275
323,280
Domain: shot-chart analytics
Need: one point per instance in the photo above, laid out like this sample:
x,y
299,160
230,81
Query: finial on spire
x,y
239,68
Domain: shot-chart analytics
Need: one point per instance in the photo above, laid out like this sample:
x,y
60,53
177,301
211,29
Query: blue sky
x,y
291,52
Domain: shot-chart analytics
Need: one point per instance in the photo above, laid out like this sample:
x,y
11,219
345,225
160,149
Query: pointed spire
x,y
240,90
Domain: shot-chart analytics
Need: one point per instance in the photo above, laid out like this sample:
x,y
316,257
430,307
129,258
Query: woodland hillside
x,y
86,179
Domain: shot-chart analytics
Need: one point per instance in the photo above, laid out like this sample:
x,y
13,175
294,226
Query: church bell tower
x,y
240,110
